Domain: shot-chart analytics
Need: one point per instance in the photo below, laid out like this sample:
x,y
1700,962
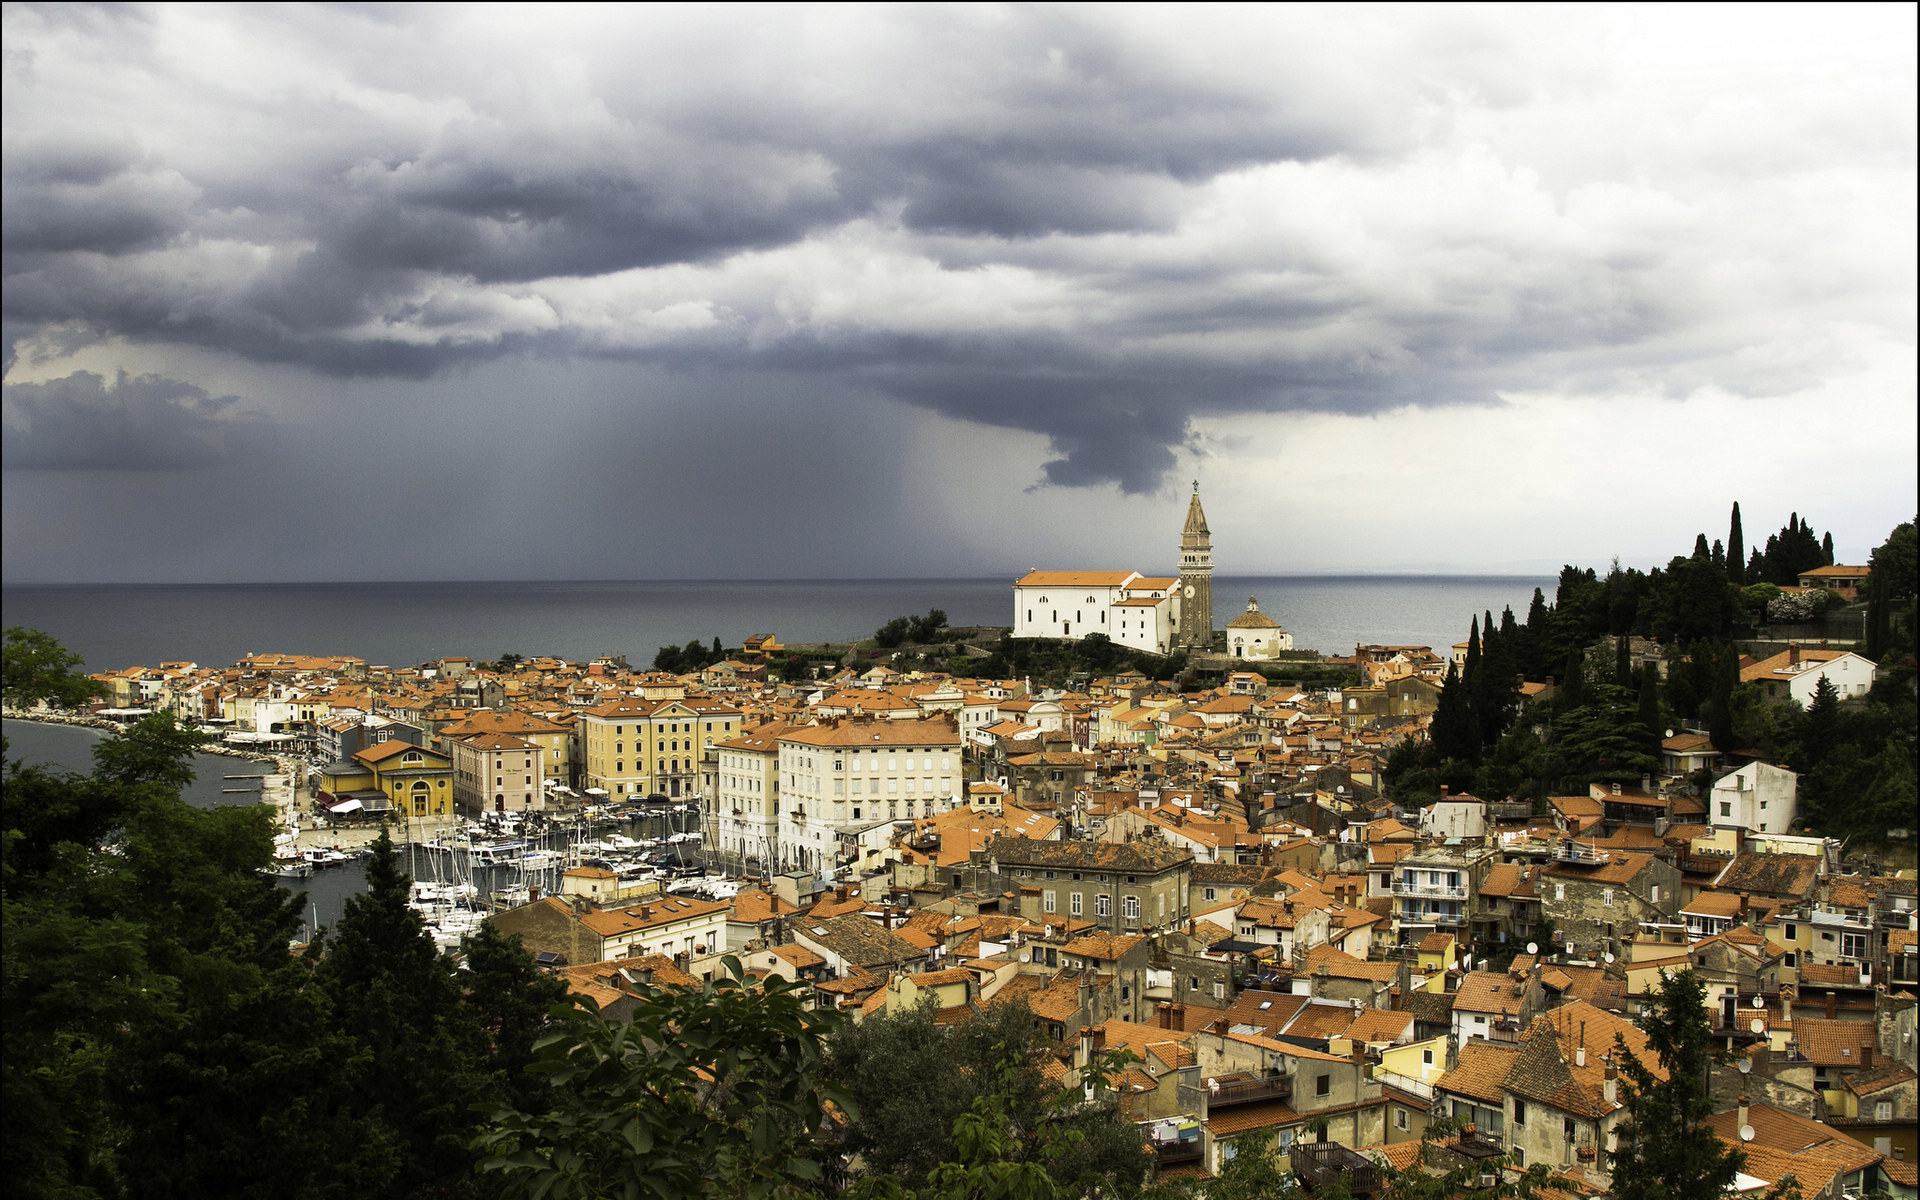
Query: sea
x,y
403,624
398,624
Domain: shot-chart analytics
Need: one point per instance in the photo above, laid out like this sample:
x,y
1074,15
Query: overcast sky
x,y
465,291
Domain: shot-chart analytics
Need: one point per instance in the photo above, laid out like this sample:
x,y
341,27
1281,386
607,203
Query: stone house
x,y
1596,898
1128,887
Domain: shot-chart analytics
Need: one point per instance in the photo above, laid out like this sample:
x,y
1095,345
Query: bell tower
x,y
1196,577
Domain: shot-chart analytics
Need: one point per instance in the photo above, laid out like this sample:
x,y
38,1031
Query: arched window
x,y
619,766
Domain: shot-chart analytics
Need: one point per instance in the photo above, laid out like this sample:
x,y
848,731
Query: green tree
x,y
34,667
913,1080
422,1060
1665,1149
718,1090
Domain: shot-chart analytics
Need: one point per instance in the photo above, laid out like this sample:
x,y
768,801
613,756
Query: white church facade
x,y
1157,614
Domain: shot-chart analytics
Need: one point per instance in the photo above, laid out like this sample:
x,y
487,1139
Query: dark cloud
x,y
140,423
1095,225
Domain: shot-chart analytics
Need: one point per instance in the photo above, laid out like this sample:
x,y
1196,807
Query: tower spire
x,y
1196,577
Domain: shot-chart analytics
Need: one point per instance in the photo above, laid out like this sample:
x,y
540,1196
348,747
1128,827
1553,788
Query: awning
x,y
346,806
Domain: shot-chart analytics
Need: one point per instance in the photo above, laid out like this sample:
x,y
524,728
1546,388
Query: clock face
x,y
1189,591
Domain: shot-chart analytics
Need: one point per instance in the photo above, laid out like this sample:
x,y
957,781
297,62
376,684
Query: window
x,y
1853,945
1323,1085
1207,893
1883,1110
1566,1129
1073,904
1048,904
1193,983
1559,891
1426,1058
1130,905
1726,809
1606,897
1519,1112
1792,960
1103,906
1399,1117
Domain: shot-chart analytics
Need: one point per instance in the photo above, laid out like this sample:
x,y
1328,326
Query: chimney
x,y
1610,1085
1833,1005
1793,655
1743,1112
1616,789
1866,1057
1646,784
1163,1015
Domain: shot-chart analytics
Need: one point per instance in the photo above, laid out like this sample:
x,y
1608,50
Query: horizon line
x,y
335,583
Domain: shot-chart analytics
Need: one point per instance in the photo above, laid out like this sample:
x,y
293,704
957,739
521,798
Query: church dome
x,y
1253,618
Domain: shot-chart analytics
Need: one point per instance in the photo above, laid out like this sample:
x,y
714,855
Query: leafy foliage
x,y
711,1091
684,660
34,668
913,1082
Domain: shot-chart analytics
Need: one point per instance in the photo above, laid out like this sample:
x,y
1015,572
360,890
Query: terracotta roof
x,y
1481,1070
612,922
1144,857
1076,579
1772,874
1865,1083
1487,992
1621,867
1270,1115
1833,1043
1104,946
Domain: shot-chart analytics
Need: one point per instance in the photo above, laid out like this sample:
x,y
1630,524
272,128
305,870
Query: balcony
x,y
1449,920
1322,1165
1436,891
1222,1093
1570,851
1178,1150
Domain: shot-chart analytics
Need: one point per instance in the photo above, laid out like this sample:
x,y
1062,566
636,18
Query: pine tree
x,y
1736,549
1665,1149
421,1063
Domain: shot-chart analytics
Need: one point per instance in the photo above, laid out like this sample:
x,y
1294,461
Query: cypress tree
x,y
1719,555
1573,686
1726,677
1826,548
1700,549
1456,735
1736,549
1650,707
1623,661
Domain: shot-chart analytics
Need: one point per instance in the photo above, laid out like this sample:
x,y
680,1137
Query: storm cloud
x,y
1112,228
143,423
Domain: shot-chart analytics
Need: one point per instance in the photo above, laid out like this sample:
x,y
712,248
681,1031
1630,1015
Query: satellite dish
x,y
1759,1002
1745,1065
1608,956
1757,1025
1669,733
1746,1133
1533,947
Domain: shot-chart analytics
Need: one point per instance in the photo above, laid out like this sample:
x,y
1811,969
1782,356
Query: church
x,y
1158,614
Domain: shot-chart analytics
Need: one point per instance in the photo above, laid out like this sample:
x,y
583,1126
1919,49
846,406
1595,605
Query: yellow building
x,y
417,782
636,746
